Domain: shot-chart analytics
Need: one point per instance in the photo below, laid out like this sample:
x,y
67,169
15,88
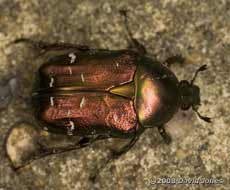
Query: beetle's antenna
x,y
202,68
207,119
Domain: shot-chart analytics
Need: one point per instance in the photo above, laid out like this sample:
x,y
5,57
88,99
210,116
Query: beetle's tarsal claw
x,y
37,45
166,137
123,12
17,41
206,119
22,40
202,68
168,140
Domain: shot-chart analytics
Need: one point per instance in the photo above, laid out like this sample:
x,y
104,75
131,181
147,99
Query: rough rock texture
x,y
197,30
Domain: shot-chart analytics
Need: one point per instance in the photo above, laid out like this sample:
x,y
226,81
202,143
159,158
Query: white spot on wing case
x,y
51,82
52,101
82,102
72,57
82,77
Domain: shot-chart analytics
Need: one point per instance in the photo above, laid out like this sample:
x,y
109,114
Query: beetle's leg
x,y
133,42
46,151
44,47
125,148
167,138
174,59
205,118
83,142
115,155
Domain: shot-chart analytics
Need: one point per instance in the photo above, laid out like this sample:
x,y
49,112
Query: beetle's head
x,y
190,95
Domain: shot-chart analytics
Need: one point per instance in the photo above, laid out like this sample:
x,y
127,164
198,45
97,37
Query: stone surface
x,y
198,30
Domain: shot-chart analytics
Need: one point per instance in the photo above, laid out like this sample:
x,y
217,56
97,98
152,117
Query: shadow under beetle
x,y
99,94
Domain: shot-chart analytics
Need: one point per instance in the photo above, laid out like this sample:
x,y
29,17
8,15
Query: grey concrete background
x,y
198,30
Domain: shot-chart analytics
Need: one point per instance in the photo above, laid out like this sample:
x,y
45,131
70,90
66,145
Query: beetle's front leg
x,y
134,43
44,47
174,59
167,138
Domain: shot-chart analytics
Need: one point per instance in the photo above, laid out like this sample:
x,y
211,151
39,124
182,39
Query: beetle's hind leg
x,y
44,47
134,43
43,151
167,138
83,142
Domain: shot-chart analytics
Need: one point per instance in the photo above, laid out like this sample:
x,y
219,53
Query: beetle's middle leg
x,y
134,43
125,148
167,138
115,154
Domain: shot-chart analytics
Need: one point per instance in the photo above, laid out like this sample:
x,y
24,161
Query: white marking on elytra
x,y
115,118
117,64
68,113
73,57
164,76
52,101
82,102
93,132
71,128
70,71
51,82
82,77
34,94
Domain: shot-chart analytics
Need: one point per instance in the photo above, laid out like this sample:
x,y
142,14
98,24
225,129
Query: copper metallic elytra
x,y
121,98
90,72
97,93
100,109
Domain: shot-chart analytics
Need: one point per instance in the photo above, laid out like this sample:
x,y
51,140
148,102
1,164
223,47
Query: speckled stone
x,y
197,30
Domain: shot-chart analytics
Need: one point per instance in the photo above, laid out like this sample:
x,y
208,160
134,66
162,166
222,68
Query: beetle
x,y
99,93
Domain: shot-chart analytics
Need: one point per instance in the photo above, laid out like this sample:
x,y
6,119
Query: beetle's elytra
x,y
115,91
96,94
